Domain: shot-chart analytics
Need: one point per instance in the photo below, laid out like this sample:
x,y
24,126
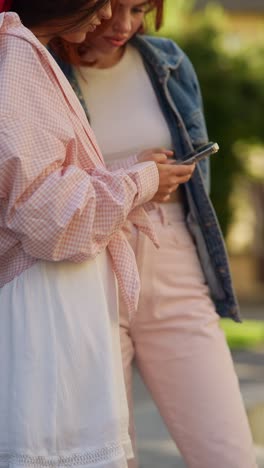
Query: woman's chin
x,y
74,38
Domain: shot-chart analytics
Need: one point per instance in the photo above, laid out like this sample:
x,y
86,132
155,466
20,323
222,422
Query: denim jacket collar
x,y
164,61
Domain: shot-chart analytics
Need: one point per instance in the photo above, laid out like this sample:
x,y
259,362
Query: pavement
x,y
155,447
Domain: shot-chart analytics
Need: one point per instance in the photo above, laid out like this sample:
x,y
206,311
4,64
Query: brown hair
x,y
35,13
157,7
72,53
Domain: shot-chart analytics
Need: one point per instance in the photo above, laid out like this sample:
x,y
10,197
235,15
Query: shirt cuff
x,y
146,176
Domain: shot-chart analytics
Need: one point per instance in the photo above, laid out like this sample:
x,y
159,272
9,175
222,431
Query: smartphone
x,y
200,153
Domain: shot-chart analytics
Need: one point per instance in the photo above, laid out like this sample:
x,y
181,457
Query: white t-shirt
x,y
123,108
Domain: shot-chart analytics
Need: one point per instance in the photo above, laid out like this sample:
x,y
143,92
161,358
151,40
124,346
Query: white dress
x,y
62,396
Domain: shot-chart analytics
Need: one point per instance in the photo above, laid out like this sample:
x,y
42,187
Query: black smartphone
x,y
200,153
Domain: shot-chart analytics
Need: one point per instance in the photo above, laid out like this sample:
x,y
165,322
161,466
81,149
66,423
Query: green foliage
x,y
232,83
247,335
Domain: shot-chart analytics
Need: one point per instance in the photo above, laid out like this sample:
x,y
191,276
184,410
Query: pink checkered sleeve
x,y
57,210
57,199
122,163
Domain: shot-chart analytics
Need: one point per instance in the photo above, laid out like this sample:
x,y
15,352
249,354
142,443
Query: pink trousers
x,y
181,352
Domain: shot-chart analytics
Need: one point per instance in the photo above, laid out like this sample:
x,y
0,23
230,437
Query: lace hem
x,y
108,453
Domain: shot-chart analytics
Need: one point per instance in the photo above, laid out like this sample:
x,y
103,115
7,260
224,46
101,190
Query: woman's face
x,y
127,18
90,24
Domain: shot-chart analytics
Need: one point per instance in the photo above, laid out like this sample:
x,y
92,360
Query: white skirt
x,y
62,394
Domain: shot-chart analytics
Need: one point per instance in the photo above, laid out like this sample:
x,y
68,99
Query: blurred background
x,y
225,42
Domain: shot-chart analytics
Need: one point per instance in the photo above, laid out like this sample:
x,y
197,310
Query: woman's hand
x,y
170,175
157,155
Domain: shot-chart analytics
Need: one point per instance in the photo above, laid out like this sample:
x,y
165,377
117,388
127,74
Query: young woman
x,y
149,90
62,395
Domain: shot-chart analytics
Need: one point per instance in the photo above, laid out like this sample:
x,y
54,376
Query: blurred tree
x,y
233,93
252,157
233,100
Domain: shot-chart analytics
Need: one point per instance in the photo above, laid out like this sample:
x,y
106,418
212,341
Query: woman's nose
x,y
122,23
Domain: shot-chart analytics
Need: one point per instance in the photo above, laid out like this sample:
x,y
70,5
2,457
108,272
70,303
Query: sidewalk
x,y
250,370
156,449
251,311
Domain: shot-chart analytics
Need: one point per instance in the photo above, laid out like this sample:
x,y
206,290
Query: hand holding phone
x,y
199,154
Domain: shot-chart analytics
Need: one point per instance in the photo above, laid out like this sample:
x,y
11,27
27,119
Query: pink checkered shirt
x,y
57,199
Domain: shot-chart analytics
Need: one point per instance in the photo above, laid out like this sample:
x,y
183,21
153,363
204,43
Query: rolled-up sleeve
x,y
56,209
122,163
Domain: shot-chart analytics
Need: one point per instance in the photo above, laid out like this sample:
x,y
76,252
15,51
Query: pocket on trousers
x,y
181,236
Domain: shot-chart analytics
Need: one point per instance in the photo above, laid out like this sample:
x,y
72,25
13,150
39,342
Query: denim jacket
x,y
178,92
